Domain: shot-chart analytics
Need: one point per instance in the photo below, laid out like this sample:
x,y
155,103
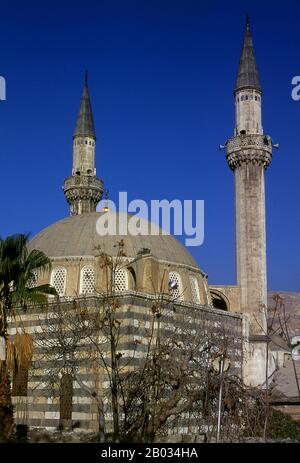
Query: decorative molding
x,y
249,149
85,188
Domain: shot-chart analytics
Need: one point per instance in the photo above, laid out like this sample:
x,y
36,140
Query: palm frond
x,y
18,268
10,355
23,349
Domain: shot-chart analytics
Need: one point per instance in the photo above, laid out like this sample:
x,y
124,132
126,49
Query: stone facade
x,y
230,294
39,409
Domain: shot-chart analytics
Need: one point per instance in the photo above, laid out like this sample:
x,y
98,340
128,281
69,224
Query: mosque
x,y
73,246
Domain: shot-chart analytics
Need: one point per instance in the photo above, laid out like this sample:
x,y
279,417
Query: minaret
x,y
248,154
83,189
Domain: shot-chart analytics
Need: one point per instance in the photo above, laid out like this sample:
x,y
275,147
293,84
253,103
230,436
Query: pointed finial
x,y
106,208
247,21
247,72
85,123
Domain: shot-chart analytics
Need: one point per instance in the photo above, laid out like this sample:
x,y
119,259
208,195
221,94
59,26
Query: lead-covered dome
x,y
74,246
78,236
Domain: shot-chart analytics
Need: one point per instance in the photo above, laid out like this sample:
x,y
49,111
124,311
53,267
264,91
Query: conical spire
x,y
248,74
85,123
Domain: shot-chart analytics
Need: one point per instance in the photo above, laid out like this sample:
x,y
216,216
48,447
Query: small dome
x,y
78,236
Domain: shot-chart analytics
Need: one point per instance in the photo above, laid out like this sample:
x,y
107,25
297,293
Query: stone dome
x,y
151,260
77,236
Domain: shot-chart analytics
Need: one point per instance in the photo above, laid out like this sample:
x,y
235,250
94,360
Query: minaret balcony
x,y
249,148
83,180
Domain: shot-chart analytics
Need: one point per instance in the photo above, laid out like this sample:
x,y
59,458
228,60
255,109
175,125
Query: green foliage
x,y
17,273
17,277
282,426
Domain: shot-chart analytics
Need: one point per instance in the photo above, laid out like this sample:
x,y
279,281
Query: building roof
x,y
247,76
77,236
285,381
85,122
291,302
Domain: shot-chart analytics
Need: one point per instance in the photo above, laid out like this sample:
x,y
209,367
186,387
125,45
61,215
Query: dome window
x,y
58,280
175,286
65,399
20,381
132,278
195,289
32,282
87,280
121,280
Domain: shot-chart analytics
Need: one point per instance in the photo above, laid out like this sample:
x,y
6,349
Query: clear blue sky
x,y
162,74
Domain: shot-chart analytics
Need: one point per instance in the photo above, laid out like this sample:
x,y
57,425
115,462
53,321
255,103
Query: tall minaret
x,y
83,189
248,154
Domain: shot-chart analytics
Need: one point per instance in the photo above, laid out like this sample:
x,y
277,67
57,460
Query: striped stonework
x,y
52,402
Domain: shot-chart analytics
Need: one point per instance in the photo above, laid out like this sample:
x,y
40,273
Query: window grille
x,y
20,382
32,282
177,292
121,280
58,280
87,280
66,397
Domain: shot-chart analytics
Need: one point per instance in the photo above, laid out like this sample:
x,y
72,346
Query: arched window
x,y
59,280
132,278
177,291
121,280
32,282
65,399
20,381
87,280
218,301
195,289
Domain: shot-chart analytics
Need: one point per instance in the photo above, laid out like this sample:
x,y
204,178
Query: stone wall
x,y
41,410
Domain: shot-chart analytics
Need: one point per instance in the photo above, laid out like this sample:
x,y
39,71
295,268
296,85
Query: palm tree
x,y
18,271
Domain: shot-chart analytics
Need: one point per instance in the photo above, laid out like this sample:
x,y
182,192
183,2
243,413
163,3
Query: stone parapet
x,y
83,193
76,181
245,149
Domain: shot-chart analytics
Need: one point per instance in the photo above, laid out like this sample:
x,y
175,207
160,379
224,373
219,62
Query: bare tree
x,y
276,327
160,373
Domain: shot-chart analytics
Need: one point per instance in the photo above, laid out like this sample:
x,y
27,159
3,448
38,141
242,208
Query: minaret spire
x,y
85,121
83,189
248,73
